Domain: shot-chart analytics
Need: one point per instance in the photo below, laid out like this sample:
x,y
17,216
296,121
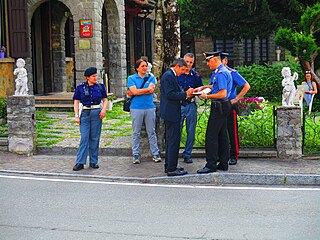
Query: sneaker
x,y
136,159
187,160
156,158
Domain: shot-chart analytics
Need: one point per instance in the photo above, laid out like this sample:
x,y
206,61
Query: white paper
x,y
205,90
303,88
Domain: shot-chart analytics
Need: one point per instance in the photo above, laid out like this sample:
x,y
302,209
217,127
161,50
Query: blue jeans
x,y
90,130
148,116
189,113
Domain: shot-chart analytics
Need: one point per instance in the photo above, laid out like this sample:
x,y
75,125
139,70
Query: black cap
x,y
90,71
208,55
224,55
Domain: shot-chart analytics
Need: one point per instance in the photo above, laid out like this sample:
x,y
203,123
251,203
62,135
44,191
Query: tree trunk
x,y
171,32
166,37
309,66
158,42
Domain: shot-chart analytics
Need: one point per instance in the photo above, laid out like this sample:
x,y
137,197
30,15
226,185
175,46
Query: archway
x,y
52,38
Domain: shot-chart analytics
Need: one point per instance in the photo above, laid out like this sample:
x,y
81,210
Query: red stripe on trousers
x,y
236,139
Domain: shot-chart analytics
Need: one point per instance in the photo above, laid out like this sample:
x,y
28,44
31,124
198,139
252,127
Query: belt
x,y
219,100
91,107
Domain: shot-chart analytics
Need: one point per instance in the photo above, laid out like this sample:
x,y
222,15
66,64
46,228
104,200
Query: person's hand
x,y
129,93
77,119
203,96
198,89
233,101
102,114
190,92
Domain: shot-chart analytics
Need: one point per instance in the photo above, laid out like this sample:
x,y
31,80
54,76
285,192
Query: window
x,y
264,49
3,27
248,51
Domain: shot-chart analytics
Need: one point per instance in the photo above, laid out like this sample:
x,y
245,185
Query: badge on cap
x,y
208,55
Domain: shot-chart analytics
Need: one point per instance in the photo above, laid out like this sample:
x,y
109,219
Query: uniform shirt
x,y
94,94
221,79
237,80
191,80
141,101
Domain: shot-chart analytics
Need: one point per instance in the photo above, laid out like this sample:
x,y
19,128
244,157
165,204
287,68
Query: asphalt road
x,y
73,209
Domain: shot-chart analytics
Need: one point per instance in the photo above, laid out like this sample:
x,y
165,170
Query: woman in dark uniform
x,y
89,95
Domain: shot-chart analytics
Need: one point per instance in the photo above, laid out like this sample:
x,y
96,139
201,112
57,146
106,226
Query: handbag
x,y
127,101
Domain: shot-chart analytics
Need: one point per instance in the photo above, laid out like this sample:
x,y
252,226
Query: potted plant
x,y
2,51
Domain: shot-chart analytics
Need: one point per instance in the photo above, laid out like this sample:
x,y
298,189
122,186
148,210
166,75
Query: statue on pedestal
x,y
289,89
22,78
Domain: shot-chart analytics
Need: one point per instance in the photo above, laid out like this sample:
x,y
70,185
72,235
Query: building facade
x,y
59,39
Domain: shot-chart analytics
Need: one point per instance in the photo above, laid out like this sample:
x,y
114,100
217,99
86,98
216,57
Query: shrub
x,y
265,80
3,108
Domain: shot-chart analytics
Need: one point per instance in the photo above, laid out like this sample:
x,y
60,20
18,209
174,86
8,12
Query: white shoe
x,y
156,158
136,159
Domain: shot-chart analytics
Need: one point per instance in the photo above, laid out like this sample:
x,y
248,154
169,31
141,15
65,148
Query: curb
x,y
216,178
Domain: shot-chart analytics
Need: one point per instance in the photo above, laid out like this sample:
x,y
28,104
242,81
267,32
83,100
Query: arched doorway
x,y
52,37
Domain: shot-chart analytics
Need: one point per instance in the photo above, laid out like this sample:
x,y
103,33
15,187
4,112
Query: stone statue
x,y
289,89
22,78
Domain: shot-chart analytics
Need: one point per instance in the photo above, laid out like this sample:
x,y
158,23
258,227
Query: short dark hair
x,y
138,62
180,62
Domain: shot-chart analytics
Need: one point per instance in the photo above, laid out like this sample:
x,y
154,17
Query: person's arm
x,y
241,94
219,95
104,108
315,90
141,91
76,111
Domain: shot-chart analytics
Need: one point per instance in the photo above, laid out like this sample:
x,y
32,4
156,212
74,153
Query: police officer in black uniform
x,y
217,144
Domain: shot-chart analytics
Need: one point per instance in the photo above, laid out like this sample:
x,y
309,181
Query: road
x,y
72,209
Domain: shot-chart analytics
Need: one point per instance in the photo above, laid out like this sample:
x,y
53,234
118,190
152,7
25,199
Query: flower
x,y
249,104
3,49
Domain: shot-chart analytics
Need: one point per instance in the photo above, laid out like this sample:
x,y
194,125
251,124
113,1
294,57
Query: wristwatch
x,y
76,115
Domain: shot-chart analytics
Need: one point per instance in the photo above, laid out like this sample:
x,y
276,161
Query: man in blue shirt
x,y
232,121
191,79
217,144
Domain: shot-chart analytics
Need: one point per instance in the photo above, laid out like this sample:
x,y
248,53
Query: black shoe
x,y
178,168
232,161
94,165
187,160
205,170
222,168
177,172
78,167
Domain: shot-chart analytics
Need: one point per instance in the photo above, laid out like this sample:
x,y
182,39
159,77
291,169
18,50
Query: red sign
x,y
85,28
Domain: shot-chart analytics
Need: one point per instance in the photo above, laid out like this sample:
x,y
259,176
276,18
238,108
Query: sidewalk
x,y
264,171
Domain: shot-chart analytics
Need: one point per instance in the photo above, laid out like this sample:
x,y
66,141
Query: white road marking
x,y
271,188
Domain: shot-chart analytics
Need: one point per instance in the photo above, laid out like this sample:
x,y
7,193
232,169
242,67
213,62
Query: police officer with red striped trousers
x,y
232,121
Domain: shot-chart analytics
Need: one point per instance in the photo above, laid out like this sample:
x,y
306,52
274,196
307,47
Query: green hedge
x,y
265,80
3,108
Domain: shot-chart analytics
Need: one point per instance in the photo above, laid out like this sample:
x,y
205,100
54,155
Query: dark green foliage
x,y
3,108
265,80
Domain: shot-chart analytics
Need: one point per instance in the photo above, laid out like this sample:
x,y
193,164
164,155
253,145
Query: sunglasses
x,y
308,71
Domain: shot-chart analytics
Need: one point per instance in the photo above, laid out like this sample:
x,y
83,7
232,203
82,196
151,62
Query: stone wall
x,y
21,124
289,132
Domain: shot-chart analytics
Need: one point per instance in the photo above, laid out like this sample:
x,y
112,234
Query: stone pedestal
x,y
21,124
289,132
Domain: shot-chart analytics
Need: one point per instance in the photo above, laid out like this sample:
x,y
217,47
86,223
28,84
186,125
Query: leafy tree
x,y
304,44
